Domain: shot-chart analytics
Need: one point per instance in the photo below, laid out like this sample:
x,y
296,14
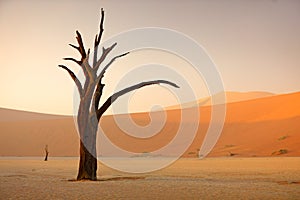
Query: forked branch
x,y
83,62
81,46
105,52
100,86
75,79
115,96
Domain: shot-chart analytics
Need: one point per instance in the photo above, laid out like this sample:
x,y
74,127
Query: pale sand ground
x,y
211,178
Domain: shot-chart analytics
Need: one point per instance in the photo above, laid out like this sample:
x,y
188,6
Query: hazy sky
x,y
255,44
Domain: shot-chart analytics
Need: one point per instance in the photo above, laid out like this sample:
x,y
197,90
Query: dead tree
x,y
46,153
89,111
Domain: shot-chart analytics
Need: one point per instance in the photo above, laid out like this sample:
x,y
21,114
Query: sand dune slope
x,y
258,127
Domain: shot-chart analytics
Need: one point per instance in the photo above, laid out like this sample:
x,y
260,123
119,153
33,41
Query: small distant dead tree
x,y
232,154
90,92
46,153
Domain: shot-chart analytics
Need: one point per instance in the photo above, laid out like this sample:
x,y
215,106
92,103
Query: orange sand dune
x,y
258,127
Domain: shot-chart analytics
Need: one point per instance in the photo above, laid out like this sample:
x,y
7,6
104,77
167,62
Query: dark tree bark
x,y
89,112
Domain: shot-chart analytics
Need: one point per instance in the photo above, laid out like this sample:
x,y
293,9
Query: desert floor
x,y
210,178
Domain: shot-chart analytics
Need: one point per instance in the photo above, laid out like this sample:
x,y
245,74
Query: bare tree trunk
x,y
88,126
88,154
87,164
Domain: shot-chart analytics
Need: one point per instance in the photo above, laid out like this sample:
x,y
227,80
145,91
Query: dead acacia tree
x,y
89,111
46,153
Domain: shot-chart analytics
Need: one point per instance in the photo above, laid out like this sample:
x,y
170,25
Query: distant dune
x,y
243,96
230,98
268,126
18,115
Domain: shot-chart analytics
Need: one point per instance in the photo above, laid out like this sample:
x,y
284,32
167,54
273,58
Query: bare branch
x,y
75,47
108,64
75,79
84,61
115,96
98,38
95,51
97,96
74,60
105,52
81,46
89,73
88,54
101,27
100,86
